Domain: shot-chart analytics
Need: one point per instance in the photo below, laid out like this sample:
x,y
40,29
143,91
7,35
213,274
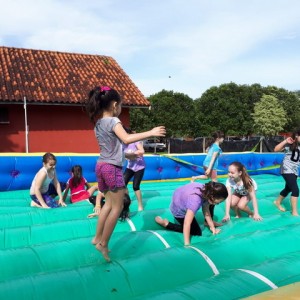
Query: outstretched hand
x,y
158,131
289,140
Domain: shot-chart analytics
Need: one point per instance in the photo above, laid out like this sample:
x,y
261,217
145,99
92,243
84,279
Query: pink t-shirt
x,y
79,192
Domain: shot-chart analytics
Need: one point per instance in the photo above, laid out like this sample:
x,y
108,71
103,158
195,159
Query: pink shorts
x,y
109,177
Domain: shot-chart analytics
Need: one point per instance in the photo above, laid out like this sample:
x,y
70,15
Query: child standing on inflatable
x,y
241,190
80,189
41,182
290,170
186,201
210,164
135,168
103,107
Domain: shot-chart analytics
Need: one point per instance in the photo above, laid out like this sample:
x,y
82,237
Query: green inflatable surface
x,y
47,254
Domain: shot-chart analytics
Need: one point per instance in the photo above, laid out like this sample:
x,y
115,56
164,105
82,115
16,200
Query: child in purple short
x,y
187,200
103,107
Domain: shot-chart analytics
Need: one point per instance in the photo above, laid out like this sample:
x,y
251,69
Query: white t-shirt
x,y
239,188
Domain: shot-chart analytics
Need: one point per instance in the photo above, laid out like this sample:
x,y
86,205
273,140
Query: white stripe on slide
x,y
208,260
131,224
161,238
261,277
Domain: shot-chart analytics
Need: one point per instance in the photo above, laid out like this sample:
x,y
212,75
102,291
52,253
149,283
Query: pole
x,y
26,126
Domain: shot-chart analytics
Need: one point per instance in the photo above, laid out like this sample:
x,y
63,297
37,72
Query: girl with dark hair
x,y
103,107
80,189
290,170
241,190
187,200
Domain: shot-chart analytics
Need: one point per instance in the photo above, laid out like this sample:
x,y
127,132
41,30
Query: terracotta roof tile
x,y
58,77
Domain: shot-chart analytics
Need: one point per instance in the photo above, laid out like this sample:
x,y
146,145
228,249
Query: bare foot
x,y
237,216
295,214
161,221
95,241
104,251
279,206
140,208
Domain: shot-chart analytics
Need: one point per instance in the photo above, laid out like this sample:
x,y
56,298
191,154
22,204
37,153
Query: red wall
x,y
52,128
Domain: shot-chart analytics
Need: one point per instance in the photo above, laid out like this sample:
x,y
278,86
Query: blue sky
x,y
185,46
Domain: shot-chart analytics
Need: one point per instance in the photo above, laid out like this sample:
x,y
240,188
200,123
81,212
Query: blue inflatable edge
x,y
18,170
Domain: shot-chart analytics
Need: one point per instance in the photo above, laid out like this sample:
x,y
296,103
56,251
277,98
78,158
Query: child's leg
x,y
104,212
243,205
290,182
294,202
234,205
116,199
198,177
213,175
138,195
138,176
278,202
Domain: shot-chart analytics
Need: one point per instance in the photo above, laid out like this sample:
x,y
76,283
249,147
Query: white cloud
x,y
198,43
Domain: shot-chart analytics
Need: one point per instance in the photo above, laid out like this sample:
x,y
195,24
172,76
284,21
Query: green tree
x,y
173,110
269,116
228,108
290,103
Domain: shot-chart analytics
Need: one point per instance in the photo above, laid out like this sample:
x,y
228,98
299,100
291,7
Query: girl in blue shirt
x,y
210,164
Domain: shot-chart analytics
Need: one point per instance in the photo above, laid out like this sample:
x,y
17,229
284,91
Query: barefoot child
x,y
290,170
210,164
40,185
186,201
103,107
241,190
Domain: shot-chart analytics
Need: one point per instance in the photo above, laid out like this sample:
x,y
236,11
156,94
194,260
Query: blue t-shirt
x,y
188,196
213,148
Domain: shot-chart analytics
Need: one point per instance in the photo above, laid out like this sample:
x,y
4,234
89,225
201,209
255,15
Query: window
x,y
4,115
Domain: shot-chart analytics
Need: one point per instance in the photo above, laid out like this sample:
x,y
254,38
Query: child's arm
x,y
66,192
189,216
135,137
58,190
97,207
211,163
40,178
140,149
227,205
281,145
209,220
256,215
87,185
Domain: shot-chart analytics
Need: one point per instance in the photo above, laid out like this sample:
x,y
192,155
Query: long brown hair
x,y
247,181
295,135
214,190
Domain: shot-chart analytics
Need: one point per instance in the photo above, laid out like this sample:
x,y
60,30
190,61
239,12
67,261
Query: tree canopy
x,y
232,108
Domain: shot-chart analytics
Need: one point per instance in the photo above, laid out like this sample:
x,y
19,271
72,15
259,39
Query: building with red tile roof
x,y
54,86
